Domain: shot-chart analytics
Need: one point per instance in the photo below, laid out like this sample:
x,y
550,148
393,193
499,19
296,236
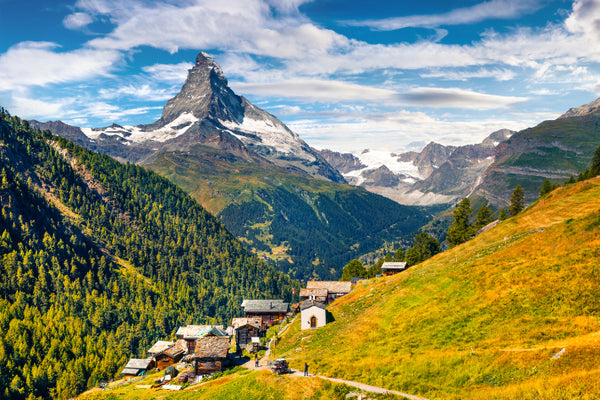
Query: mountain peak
x,y
585,109
205,62
205,93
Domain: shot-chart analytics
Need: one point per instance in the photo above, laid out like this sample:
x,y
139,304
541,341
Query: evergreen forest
x,y
100,259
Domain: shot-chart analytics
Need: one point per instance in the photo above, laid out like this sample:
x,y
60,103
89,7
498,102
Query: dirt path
x,y
262,364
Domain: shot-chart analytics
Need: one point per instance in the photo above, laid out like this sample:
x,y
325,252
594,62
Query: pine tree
x,y
461,230
502,215
595,164
547,187
517,200
484,217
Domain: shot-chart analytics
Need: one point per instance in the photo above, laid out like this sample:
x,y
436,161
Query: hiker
x,y
256,360
305,369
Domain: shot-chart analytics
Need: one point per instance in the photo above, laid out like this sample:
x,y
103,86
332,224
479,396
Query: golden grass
x,y
484,318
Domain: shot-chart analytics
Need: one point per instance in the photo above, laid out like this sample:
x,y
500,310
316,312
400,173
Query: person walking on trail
x,y
256,360
305,369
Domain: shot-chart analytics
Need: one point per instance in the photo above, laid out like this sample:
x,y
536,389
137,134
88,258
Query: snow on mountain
x,y
269,133
136,134
374,159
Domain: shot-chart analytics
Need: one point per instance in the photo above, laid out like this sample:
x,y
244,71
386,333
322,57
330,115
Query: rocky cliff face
x,y
437,174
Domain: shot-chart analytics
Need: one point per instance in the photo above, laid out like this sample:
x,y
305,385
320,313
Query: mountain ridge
x,y
276,193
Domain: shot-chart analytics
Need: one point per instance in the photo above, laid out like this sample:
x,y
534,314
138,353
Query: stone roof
x,y
305,292
212,347
130,371
160,346
333,287
197,331
311,303
136,365
393,265
265,306
179,348
239,322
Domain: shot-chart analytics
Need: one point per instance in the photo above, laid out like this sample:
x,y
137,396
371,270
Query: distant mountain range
x,y
443,174
272,190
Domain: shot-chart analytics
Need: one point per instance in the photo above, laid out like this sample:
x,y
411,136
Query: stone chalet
x,y
391,268
246,329
268,311
165,353
314,294
191,333
334,289
210,354
136,366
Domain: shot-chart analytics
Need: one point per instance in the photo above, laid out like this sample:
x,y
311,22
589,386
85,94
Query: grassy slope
x,y
481,320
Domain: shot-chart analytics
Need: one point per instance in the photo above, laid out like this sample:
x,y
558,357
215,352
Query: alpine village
x,y
213,253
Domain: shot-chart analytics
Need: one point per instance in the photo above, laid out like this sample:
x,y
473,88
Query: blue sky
x,y
344,74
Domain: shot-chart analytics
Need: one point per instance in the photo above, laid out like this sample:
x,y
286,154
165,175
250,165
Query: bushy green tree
x,y
484,217
595,163
424,247
354,269
517,201
547,187
502,215
461,230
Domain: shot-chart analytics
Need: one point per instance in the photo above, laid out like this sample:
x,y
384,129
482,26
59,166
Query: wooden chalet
x,y
166,354
391,268
334,289
137,366
268,311
210,354
246,329
191,333
314,294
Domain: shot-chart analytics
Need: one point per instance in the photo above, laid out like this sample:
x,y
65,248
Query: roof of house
x,y
179,348
130,371
331,286
239,322
197,331
274,306
393,265
160,346
135,365
320,292
311,303
211,347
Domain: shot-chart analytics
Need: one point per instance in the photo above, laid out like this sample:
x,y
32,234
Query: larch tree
x,y
461,230
517,201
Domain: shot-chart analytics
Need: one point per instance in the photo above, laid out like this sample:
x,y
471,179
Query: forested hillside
x,y
307,227
98,260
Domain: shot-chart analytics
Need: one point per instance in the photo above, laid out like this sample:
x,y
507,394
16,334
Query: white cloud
x,y
458,98
397,131
30,108
38,64
77,20
143,92
493,9
336,91
171,73
496,73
